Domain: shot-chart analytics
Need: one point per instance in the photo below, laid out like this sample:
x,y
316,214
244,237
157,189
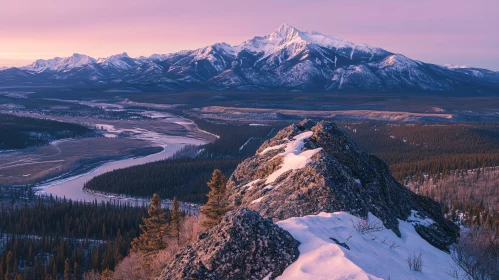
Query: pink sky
x,y
436,31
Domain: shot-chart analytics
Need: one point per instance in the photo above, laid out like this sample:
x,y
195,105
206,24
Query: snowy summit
x,y
286,59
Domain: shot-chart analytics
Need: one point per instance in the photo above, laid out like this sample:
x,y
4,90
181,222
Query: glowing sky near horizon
x,y
461,32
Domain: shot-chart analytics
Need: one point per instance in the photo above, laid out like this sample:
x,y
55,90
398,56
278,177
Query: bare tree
x,y
415,262
366,226
477,253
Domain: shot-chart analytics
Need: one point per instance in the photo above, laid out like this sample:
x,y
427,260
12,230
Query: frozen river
x,y
72,187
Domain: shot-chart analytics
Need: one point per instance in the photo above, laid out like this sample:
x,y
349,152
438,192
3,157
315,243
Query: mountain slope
x,y
243,244
309,168
286,59
352,219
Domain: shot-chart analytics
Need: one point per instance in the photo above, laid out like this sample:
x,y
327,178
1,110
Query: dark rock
x,y
243,246
342,244
339,177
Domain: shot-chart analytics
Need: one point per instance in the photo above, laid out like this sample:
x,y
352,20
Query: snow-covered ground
x,y
377,255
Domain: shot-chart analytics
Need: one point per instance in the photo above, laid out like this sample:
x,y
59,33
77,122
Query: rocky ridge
x,y
326,172
243,246
306,169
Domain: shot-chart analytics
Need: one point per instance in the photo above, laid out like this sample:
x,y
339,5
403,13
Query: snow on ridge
x,y
293,158
60,64
285,37
454,66
113,57
377,255
415,218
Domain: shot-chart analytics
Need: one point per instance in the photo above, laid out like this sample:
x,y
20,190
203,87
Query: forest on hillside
x,y
41,236
22,132
185,175
412,151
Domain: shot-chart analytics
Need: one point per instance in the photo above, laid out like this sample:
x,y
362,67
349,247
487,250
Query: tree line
x,y
22,132
161,239
185,174
50,237
415,149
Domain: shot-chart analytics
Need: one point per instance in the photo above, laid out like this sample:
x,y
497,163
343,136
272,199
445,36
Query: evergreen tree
x,y
1,268
118,245
8,265
217,204
107,274
154,229
67,270
176,220
76,271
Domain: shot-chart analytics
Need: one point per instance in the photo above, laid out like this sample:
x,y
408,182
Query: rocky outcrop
x,y
311,167
243,246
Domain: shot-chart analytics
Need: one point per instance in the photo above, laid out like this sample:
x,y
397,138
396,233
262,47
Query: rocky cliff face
x,y
311,167
243,246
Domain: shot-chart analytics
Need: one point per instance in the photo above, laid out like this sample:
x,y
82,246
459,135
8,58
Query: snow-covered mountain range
x,y
286,59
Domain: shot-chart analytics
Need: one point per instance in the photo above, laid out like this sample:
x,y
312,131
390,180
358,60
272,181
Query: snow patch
x,y
415,218
369,256
293,157
268,149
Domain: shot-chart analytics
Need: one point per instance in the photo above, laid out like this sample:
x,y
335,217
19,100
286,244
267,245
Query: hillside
x,y
350,216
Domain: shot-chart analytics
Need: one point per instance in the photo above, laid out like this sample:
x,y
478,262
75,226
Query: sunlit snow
x,y
378,255
293,157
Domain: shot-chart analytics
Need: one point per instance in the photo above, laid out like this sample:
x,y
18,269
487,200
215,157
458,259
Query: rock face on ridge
x,y
311,167
305,169
243,246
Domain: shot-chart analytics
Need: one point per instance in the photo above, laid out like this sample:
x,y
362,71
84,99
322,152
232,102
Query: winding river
x,y
72,187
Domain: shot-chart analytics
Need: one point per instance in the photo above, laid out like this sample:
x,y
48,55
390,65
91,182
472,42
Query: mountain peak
x,y
286,30
286,34
113,57
121,55
310,167
286,58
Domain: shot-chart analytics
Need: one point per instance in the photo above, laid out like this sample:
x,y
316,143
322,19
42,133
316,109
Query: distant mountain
x,y
286,59
60,64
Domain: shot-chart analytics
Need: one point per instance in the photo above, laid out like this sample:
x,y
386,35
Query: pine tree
x,y
154,229
54,271
1,268
76,270
107,274
8,265
15,267
217,204
176,220
118,244
67,270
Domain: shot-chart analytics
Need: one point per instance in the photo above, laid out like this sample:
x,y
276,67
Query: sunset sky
x,y
437,31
